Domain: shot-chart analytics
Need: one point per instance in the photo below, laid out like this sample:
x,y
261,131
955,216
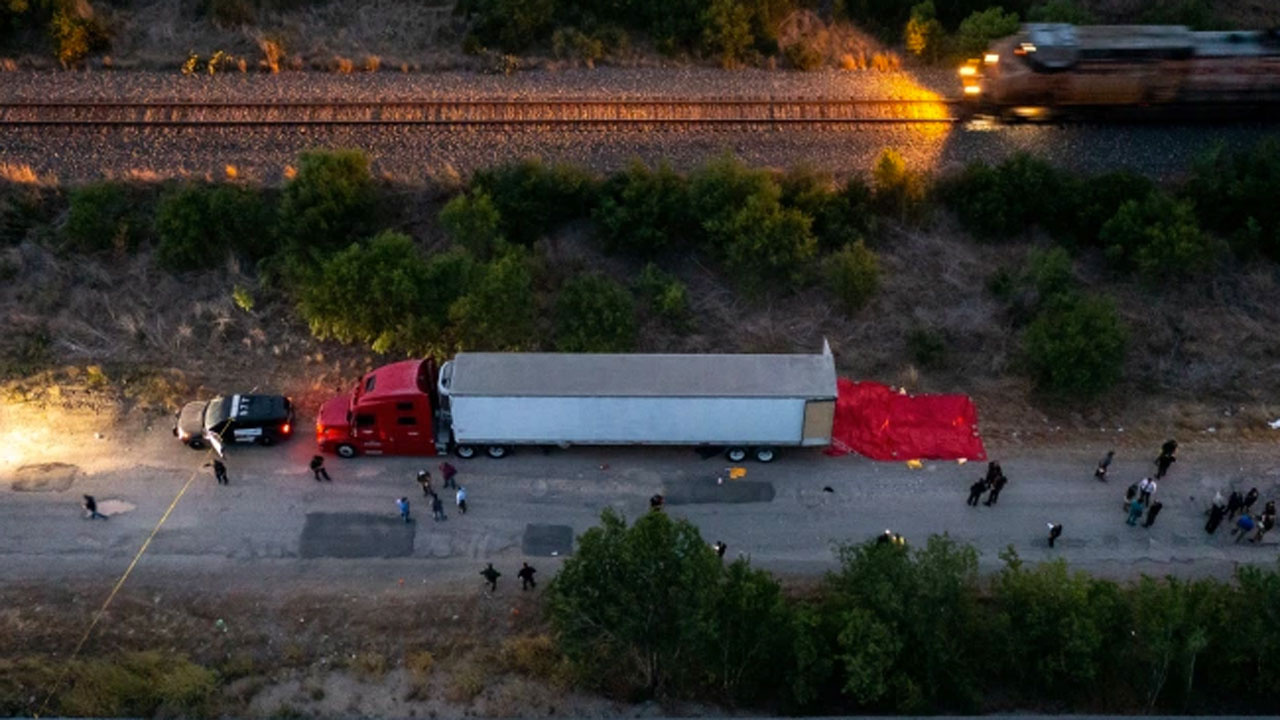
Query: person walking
x,y
437,508
1169,447
1250,498
317,469
91,507
1244,526
403,505
449,472
424,479
1152,512
1136,506
993,471
1101,471
220,472
1146,489
996,486
1234,502
975,492
1055,532
526,577
1216,513
462,500
491,576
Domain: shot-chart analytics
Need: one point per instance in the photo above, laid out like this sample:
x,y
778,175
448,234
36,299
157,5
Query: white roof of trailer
x,y
606,375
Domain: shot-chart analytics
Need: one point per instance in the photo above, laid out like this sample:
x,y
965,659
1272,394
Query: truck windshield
x,y
217,412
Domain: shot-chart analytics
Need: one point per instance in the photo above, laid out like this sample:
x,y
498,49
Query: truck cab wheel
x,y
466,452
496,451
345,451
736,454
764,454
195,443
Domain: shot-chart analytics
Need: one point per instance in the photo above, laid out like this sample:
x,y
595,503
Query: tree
x,y
1170,630
512,25
328,204
748,633
594,314
1075,347
102,216
199,225
898,191
533,198
853,275
924,35
1159,237
980,28
1234,194
643,212
498,311
719,190
768,245
727,30
473,221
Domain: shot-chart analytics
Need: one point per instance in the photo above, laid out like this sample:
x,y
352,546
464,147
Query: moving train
x,y
1048,69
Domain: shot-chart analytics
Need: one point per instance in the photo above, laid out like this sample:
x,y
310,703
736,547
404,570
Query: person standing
x,y
656,502
1265,524
1216,513
1152,512
1055,532
1234,502
720,549
1129,495
449,472
491,576
91,507
993,471
975,492
220,472
1136,506
996,486
526,577
462,500
437,508
1146,489
1250,498
403,505
1244,526
1101,471
424,479
317,469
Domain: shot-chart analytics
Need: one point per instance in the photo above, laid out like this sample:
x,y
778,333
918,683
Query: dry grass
x,y
22,174
467,682
838,44
369,666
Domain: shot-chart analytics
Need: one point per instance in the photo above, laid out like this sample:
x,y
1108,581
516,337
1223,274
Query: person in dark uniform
x,y
1216,513
720,549
996,487
1055,532
1152,512
656,502
1234,502
975,492
91,507
1250,498
526,577
220,472
491,576
1101,471
317,469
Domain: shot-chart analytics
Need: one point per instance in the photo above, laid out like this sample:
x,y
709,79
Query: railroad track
x,y
566,113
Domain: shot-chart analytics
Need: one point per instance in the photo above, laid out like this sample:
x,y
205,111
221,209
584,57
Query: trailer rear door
x,y
819,415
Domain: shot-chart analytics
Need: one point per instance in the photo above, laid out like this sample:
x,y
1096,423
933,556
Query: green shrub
x,y
898,191
840,214
1097,199
665,296
142,684
1006,200
1061,11
512,25
102,216
199,225
498,310
1075,348
572,43
924,35
853,275
533,198
719,190
1051,275
644,212
928,348
980,28
594,314
767,245
473,221
329,204
802,55
1235,195
75,34
1159,237
727,30
24,209
376,293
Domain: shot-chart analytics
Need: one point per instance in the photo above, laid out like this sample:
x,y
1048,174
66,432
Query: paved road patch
x,y
44,477
547,540
356,535
694,492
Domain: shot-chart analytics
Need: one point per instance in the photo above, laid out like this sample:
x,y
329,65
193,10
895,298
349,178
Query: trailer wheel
x,y
345,450
496,451
736,454
466,452
764,454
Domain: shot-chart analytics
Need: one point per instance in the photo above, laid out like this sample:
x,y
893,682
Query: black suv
x,y
262,419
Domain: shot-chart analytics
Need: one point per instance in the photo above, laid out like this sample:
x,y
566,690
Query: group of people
x,y
449,473
526,573
1237,504
1139,497
991,484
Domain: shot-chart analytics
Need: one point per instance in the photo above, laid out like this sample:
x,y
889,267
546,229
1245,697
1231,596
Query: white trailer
x,y
745,403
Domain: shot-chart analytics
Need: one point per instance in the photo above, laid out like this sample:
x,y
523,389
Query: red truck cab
x,y
389,412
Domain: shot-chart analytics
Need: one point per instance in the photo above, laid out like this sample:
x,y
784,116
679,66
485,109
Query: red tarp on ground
x,y
875,421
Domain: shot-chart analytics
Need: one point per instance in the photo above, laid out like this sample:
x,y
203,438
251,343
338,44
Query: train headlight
x,y
968,71
972,89
991,58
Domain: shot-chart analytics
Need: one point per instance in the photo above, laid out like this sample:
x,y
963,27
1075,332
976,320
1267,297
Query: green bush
x,y
1007,199
665,296
1159,237
928,348
533,198
102,216
898,191
473,221
26,208
924,35
1061,11
767,245
372,293
644,212
1075,348
142,684
1096,200
727,30
573,44
75,34
594,314
199,225
853,275
840,214
511,25
718,189
498,310
1050,274
1235,195
980,28
329,204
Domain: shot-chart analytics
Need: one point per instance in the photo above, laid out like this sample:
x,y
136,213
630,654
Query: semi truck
x,y
748,404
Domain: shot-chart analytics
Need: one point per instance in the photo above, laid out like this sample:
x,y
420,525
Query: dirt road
x,y
273,526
